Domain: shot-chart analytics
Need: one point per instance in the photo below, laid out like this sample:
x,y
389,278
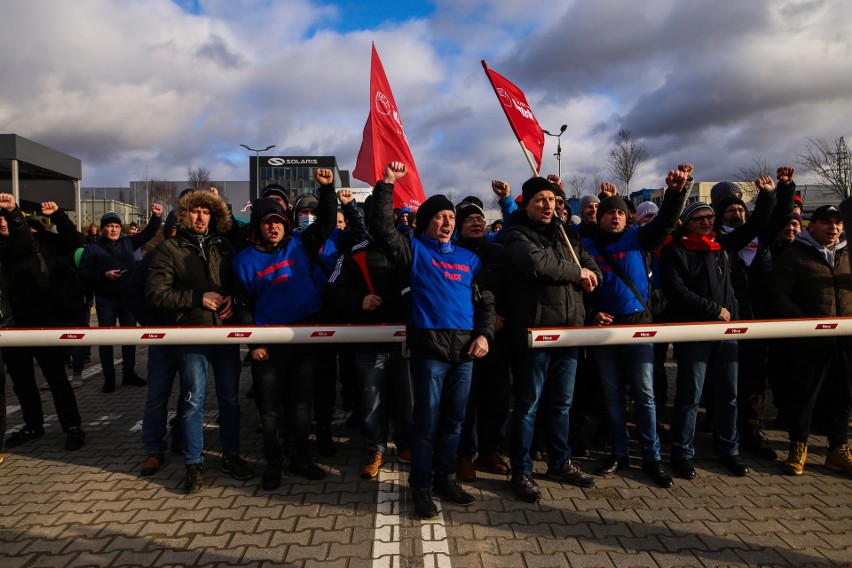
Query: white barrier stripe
x,y
538,337
674,333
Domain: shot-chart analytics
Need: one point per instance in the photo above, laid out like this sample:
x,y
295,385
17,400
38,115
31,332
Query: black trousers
x,y
814,369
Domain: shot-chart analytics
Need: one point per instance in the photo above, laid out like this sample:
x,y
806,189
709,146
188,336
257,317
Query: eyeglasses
x,y
473,219
703,218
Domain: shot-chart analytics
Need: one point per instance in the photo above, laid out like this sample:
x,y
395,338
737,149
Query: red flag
x,y
384,141
520,115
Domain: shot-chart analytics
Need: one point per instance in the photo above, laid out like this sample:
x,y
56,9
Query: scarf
x,y
694,241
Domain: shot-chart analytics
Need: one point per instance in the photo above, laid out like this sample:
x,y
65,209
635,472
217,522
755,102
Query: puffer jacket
x,y
806,286
542,277
185,267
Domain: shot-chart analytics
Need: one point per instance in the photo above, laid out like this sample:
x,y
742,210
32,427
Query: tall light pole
x,y
558,153
257,163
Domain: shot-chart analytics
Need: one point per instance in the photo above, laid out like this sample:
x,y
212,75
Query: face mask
x,y
306,220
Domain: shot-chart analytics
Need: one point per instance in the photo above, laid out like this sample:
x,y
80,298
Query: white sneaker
x,y
76,381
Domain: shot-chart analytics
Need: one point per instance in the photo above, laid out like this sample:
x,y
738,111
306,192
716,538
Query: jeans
x,y
194,362
619,366
51,360
441,391
109,311
383,377
285,382
545,376
692,359
163,365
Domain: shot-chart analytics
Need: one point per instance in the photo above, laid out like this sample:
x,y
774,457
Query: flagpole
x,y
529,158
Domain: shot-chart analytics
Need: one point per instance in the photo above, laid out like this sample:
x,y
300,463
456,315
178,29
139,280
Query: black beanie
x,y
535,185
727,202
430,208
471,199
465,209
610,203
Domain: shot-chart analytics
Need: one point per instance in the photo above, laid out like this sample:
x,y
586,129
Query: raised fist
x,y
608,189
685,168
48,208
344,196
156,209
7,201
394,171
785,174
500,188
765,183
324,176
677,179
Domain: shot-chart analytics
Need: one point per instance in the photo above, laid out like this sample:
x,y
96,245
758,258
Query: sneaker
x,y
237,467
795,462
465,470
571,473
840,459
372,463
76,381
152,464
753,439
403,456
325,444
272,476
303,466
452,490
525,488
424,505
194,481
131,379
23,435
492,463
75,438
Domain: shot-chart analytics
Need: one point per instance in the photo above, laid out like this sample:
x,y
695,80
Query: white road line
x,y
386,546
433,533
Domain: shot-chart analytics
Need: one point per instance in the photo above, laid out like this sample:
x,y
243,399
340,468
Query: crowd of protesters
x,y
465,389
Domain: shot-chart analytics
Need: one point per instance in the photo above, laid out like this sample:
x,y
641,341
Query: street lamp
x,y
257,163
558,153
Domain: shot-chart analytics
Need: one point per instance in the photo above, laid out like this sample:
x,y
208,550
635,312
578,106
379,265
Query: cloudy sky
x,y
152,87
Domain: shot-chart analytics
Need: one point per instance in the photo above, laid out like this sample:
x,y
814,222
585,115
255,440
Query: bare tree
x,y
625,157
757,169
165,192
199,178
577,184
829,162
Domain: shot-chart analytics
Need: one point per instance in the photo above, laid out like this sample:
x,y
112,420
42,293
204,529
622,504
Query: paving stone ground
x,y
91,508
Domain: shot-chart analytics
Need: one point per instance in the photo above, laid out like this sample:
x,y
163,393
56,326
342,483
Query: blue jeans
x,y
692,359
618,366
545,377
440,397
194,361
109,312
383,377
163,365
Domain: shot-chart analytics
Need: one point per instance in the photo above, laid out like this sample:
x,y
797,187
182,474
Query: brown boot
x,y
493,463
465,471
152,464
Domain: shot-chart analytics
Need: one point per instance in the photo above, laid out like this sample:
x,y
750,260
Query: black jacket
x,y
542,277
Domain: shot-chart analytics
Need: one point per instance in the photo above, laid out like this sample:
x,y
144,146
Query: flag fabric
x,y
246,207
384,142
518,112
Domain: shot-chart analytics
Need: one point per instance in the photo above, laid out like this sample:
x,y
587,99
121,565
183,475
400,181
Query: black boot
x,y
109,382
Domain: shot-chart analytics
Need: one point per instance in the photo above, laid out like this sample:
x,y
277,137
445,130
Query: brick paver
x,y
91,508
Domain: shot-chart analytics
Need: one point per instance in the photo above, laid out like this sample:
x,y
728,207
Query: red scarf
x,y
694,241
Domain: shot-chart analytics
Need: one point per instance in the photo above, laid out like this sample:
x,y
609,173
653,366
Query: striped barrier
x,y
538,337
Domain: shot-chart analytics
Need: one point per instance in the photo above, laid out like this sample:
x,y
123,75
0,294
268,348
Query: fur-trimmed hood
x,y
220,217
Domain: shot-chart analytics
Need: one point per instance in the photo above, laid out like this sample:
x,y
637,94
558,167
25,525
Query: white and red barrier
x,y
539,337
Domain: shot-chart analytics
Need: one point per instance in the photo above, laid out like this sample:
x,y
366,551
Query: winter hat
x,y
536,185
797,217
587,199
278,191
265,208
430,208
465,209
646,209
722,190
693,208
726,202
110,217
496,223
471,199
171,223
610,203
797,200
306,201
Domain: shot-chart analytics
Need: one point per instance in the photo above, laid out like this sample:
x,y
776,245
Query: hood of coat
x,y
220,218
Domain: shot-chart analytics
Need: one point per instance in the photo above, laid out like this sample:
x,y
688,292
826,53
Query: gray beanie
x,y
587,199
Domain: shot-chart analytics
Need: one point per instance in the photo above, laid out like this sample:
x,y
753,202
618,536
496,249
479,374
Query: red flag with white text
x,y
521,118
384,141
